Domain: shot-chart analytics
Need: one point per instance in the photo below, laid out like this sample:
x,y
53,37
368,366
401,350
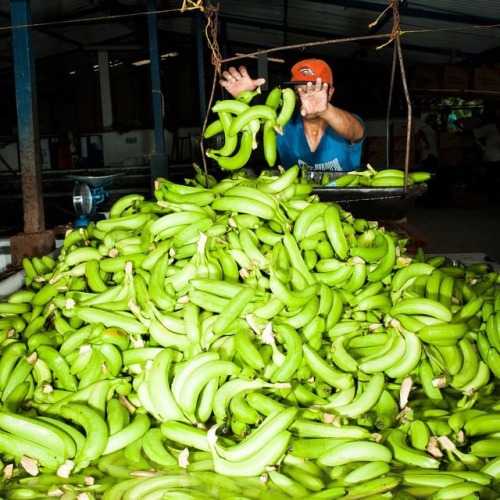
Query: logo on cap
x,y
307,71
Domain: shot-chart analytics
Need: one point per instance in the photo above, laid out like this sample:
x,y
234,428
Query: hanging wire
x,y
389,104
396,31
409,109
397,58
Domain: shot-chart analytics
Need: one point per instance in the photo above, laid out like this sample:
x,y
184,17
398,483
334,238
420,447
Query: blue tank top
x,y
334,153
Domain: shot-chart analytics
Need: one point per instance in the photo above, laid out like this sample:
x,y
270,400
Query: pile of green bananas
x,y
246,340
243,124
389,177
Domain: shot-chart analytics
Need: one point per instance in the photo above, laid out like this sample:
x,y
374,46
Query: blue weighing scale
x,y
88,193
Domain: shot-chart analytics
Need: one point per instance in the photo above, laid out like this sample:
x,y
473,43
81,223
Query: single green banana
x,y
240,158
138,426
131,222
422,306
242,205
375,487
213,129
18,447
234,107
285,483
287,107
271,425
387,357
395,439
355,451
273,98
257,463
260,112
124,203
96,432
309,429
269,143
481,425
153,445
409,360
323,370
386,264
367,471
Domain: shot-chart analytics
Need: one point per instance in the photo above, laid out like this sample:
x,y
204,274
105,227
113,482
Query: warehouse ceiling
x,y
446,32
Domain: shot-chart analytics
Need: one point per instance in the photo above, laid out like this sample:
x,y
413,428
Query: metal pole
x,y
201,65
105,88
27,117
159,161
35,240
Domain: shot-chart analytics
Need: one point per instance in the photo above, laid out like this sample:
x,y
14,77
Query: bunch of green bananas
x,y
244,339
243,124
389,177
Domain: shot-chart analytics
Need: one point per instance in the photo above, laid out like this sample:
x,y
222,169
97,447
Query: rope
x,y
398,57
212,13
118,17
190,5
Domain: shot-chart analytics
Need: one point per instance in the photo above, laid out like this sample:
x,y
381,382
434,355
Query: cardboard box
x,y
376,159
399,158
401,128
450,157
376,143
487,79
426,77
456,78
399,142
415,237
447,140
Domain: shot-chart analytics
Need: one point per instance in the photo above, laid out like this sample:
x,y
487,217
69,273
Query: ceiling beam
x,y
319,36
407,10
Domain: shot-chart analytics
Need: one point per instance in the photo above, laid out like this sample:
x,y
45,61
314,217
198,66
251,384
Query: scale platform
x,y
89,191
372,203
95,181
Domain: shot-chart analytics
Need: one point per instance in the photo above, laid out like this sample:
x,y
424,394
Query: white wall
x,y
131,148
9,154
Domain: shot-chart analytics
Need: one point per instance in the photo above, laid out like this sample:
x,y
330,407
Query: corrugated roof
x,y
456,32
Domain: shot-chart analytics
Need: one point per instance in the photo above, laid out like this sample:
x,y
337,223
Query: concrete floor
x,y
452,229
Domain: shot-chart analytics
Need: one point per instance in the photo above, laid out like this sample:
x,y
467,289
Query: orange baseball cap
x,y
309,70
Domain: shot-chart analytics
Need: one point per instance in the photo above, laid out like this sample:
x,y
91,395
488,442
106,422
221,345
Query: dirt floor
x,y
452,229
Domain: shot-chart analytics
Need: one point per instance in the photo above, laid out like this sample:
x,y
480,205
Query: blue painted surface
x,y
27,116
24,69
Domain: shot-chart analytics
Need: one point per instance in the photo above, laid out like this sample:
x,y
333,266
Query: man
x,y
428,136
319,135
488,135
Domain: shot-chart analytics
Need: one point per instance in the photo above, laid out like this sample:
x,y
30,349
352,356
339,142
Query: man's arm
x,y
344,123
314,98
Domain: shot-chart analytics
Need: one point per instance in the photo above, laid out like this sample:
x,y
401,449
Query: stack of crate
x,y
415,237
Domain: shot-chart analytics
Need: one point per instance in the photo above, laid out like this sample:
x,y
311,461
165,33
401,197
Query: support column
x,y
105,89
201,65
263,70
35,240
159,161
